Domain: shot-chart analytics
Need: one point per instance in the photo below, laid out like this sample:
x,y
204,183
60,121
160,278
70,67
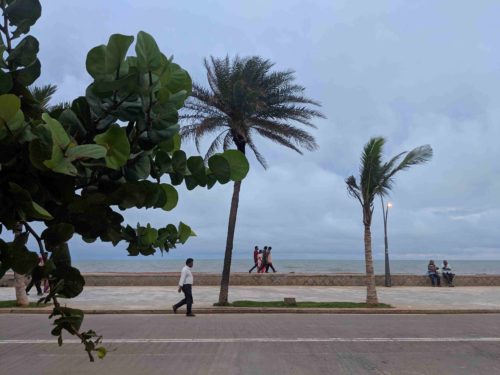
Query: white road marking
x,y
265,339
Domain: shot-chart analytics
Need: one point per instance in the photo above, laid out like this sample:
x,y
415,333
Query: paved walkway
x,y
156,298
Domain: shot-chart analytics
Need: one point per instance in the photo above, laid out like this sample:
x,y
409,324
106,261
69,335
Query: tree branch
x,y
34,234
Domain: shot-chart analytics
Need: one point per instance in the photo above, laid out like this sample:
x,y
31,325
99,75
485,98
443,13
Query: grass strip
x,y
331,305
12,303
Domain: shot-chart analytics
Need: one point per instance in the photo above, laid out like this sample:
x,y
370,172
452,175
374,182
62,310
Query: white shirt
x,y
186,276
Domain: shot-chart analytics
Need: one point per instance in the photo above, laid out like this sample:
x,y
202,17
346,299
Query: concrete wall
x,y
208,279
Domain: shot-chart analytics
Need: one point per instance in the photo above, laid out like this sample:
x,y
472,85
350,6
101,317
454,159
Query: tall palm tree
x,y
377,179
245,99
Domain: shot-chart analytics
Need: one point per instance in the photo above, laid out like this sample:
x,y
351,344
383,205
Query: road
x,y
259,344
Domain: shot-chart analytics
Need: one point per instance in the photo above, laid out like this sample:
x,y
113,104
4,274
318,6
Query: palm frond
x,y
201,129
298,136
216,145
247,96
43,94
370,168
260,158
277,139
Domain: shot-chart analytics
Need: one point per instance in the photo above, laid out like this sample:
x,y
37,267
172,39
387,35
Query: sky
x,y
420,72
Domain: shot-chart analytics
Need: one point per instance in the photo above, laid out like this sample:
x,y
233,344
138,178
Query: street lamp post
x,y
385,212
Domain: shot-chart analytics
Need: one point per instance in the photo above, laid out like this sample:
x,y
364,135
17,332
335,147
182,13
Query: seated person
x,y
447,274
432,272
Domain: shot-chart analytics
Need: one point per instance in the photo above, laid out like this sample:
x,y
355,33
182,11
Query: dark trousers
x,y
449,278
37,283
254,267
435,278
188,298
270,265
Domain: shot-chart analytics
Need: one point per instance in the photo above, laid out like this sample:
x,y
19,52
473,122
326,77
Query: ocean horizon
x,y
164,264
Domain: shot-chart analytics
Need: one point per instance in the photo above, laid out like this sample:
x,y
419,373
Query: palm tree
x,y
246,99
43,95
377,179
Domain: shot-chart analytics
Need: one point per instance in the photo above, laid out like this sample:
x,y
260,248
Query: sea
x,y
159,264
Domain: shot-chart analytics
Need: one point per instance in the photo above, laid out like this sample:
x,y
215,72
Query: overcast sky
x,y
419,72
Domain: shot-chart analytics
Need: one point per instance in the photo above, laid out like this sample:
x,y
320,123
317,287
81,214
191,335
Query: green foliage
x,y
74,168
245,100
377,177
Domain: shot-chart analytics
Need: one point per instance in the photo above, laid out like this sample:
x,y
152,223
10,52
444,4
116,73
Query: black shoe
x,y
190,314
39,294
174,308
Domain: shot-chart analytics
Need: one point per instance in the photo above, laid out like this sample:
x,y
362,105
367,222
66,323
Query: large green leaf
x,y
147,235
25,52
220,167
96,61
40,149
5,82
139,168
172,144
116,142
59,164
179,162
171,195
148,53
81,109
28,75
25,204
23,260
116,50
163,162
9,105
17,122
59,135
40,212
73,282
86,152
72,122
238,164
57,234
23,14
197,168
176,79
185,232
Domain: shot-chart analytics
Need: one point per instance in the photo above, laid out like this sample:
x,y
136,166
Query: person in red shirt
x,y
255,258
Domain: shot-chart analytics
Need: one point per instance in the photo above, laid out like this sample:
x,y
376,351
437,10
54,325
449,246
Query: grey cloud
x,y
414,72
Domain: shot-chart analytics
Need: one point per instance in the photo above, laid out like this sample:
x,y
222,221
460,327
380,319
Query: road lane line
x,y
264,340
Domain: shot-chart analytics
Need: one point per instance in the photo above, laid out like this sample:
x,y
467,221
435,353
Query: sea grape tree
x,y
75,170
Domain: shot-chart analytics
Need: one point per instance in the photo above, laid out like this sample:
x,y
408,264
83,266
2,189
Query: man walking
x,y
185,285
255,258
269,260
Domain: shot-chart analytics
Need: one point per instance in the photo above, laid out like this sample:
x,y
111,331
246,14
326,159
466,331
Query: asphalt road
x,y
259,344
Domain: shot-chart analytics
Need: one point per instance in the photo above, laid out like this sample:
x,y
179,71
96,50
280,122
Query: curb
x,y
261,310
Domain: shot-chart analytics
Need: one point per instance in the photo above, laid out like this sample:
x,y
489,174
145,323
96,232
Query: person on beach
x,y
447,274
260,267
36,276
264,259
255,256
185,285
432,271
269,260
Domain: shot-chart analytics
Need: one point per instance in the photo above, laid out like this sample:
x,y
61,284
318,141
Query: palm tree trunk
x,y
371,291
20,286
224,285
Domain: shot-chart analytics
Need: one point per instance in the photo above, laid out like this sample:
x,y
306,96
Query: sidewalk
x,y
150,299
